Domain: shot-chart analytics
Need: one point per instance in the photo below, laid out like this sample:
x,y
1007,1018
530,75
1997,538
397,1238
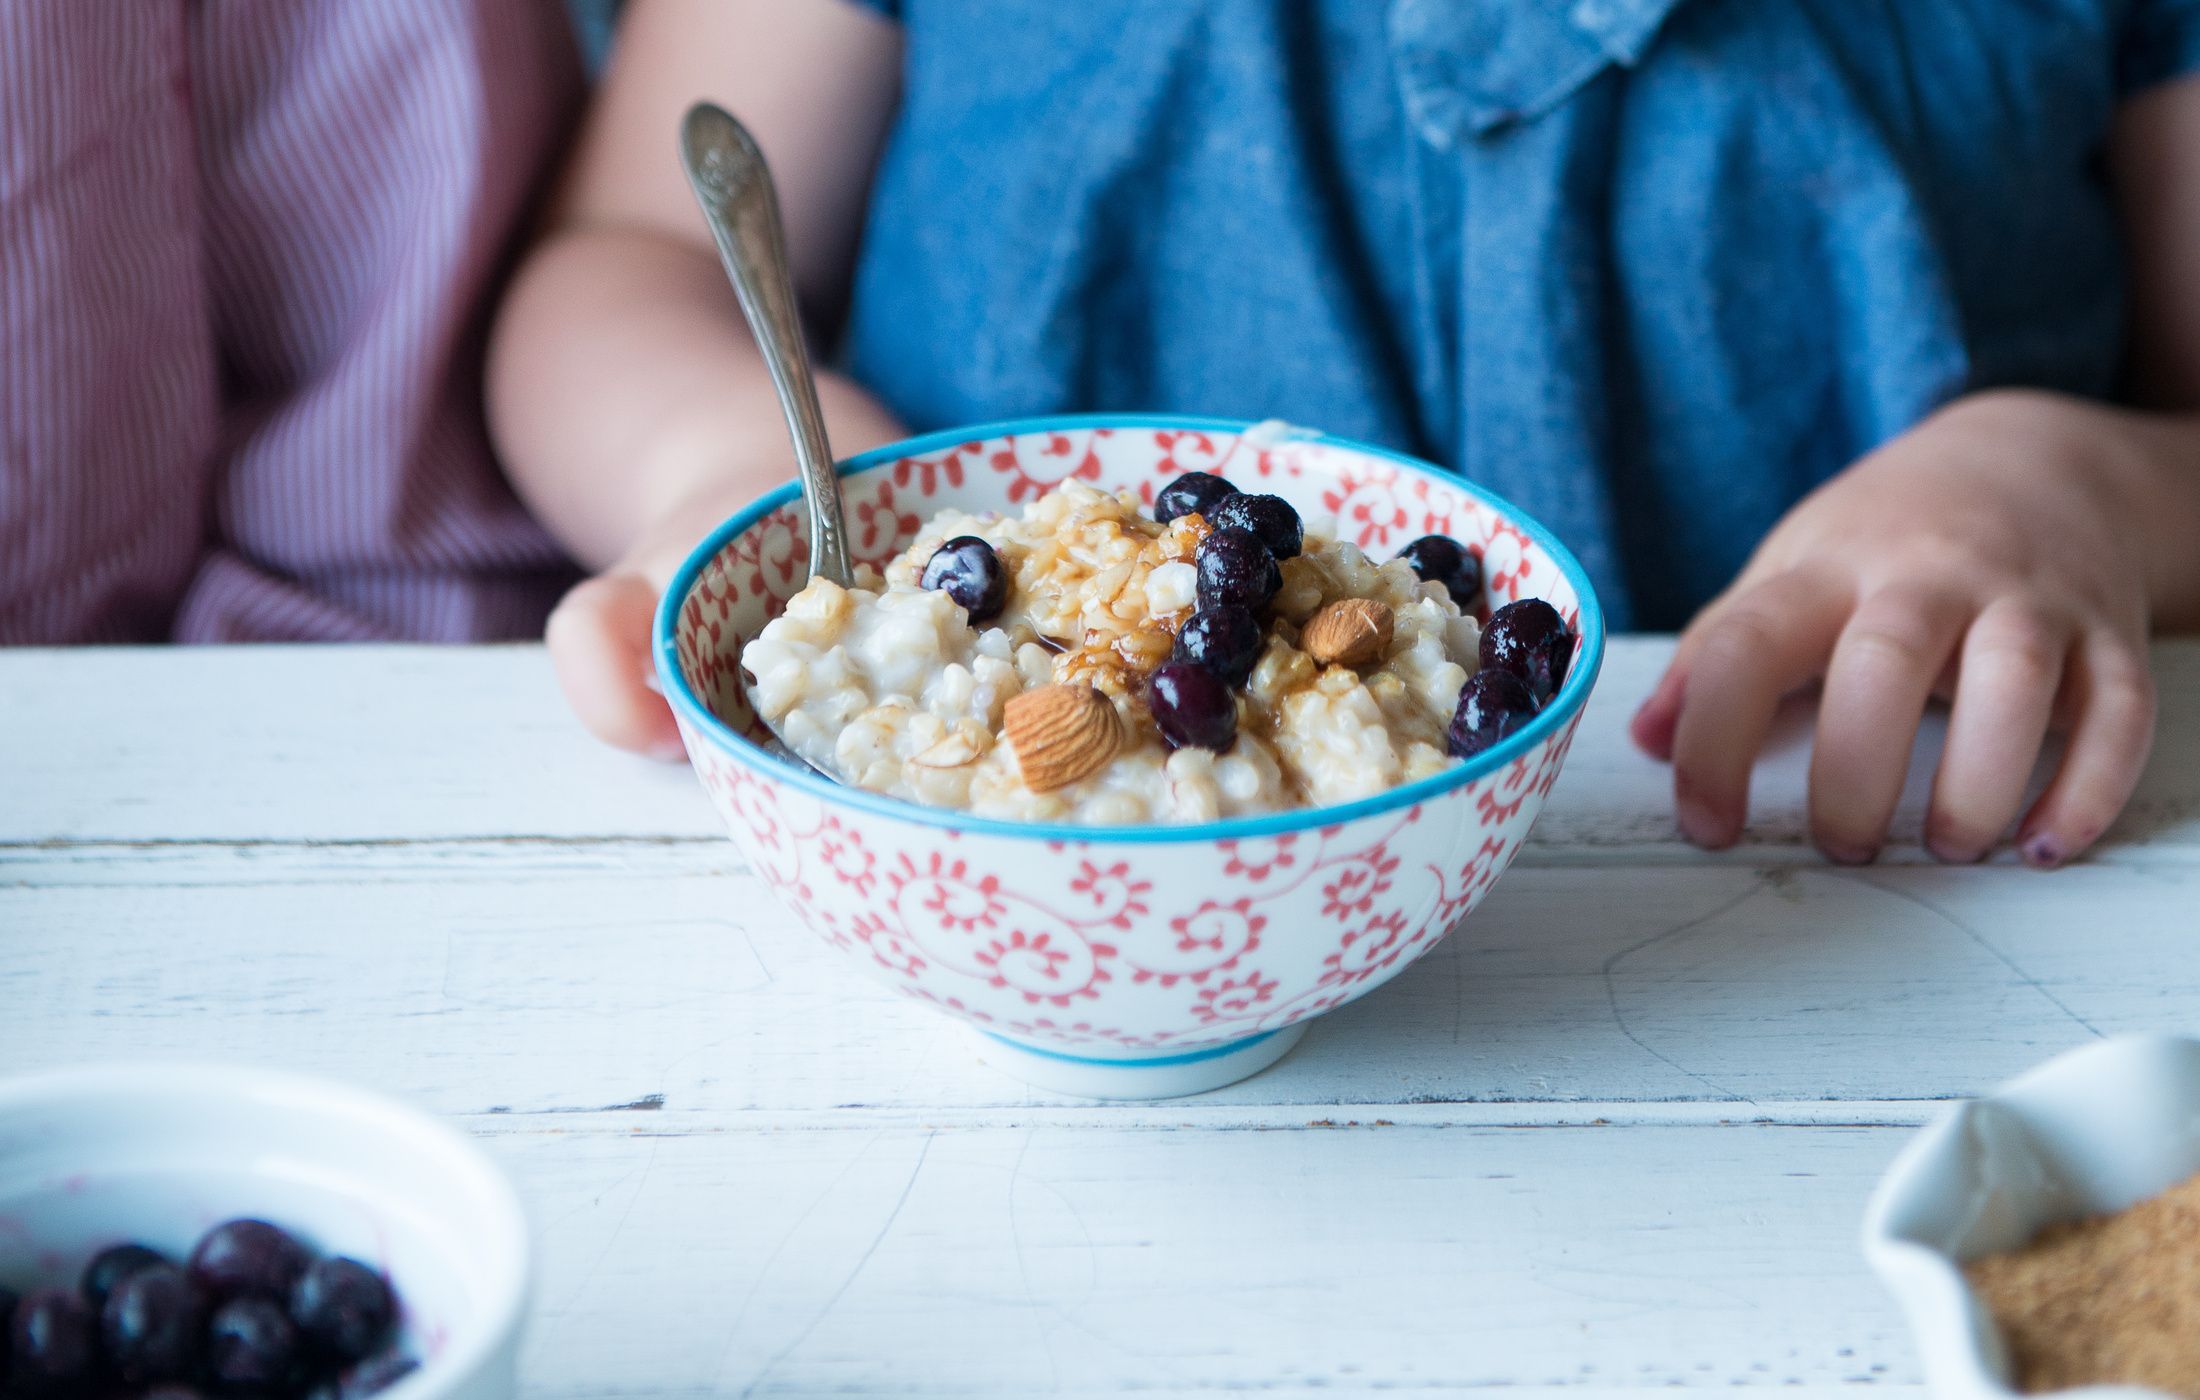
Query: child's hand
x,y
2011,550
599,636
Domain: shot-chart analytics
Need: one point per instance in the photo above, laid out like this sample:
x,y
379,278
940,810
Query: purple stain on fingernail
x,y
2043,852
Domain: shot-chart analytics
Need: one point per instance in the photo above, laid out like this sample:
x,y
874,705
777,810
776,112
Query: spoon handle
x,y
734,187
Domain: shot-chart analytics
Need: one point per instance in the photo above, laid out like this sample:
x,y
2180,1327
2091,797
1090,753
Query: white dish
x,y
2090,1132
93,1157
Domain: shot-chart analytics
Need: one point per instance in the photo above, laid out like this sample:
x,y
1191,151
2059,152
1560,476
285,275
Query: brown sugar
x,y
2114,1299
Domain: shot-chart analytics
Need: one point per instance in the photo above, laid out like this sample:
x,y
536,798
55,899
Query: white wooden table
x,y
1612,1136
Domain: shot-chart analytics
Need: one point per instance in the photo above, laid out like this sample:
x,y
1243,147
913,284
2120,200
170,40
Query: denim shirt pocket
x,y
1469,68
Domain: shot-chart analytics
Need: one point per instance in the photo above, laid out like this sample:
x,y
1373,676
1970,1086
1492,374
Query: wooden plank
x,y
1062,1260
542,988
383,744
320,743
754,1172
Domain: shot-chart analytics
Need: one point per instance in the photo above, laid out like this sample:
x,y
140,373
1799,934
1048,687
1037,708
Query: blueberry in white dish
x,y
1236,570
1194,493
1269,519
1529,639
1442,559
967,570
1226,640
1492,705
1193,707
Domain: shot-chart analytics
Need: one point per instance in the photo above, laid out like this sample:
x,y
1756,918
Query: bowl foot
x,y
1159,1075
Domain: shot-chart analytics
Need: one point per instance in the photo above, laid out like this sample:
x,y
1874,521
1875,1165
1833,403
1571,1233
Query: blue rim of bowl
x,y
1580,676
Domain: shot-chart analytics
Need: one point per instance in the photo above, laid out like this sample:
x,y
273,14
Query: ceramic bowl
x,y
159,1154
1132,962
2088,1133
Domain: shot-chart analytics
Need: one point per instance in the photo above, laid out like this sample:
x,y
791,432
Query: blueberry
x,y
251,1348
1492,704
967,570
1236,570
1270,519
1529,639
373,1377
111,1266
1192,706
343,1306
1225,640
369,1377
1442,559
247,1258
1193,493
152,1324
54,1341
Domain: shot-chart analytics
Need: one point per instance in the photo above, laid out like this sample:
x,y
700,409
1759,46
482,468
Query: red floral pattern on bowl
x,y
1119,944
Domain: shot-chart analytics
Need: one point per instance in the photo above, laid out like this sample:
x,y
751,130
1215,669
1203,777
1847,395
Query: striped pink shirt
x,y
246,252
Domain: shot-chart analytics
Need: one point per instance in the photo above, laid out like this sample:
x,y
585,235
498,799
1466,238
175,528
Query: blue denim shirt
x,y
1651,268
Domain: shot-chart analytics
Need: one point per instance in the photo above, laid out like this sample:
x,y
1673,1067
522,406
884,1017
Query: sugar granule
x,y
2113,1299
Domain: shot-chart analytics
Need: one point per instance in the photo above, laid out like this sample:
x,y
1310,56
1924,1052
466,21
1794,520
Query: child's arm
x,y
2015,548
627,398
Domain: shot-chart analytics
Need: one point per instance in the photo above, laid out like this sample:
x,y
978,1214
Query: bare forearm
x,y
2168,466
623,384
630,403
2154,163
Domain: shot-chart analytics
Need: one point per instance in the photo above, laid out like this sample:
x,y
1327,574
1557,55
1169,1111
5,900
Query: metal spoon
x,y
734,186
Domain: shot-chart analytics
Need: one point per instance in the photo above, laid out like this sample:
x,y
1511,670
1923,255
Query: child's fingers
x,y
2111,732
1659,716
599,646
1881,674
2013,661
1742,662
1656,721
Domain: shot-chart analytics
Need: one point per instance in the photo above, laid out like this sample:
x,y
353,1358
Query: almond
x,y
1061,733
951,752
1348,632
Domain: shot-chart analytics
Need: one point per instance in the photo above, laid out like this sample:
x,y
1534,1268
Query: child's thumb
x,y
599,646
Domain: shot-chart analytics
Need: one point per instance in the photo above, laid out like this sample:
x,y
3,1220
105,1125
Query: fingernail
x,y
1949,851
2043,852
1700,825
650,681
1841,853
669,751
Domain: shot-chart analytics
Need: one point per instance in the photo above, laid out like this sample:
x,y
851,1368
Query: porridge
x,y
1085,661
